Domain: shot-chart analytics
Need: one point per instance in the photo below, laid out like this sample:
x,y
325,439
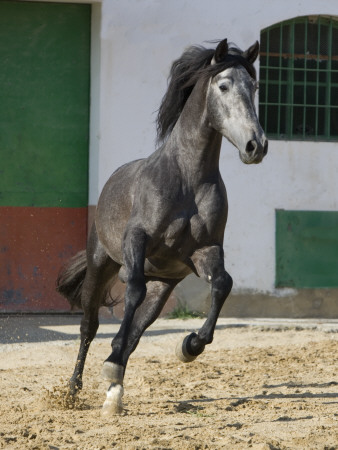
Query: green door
x,y
44,128
307,249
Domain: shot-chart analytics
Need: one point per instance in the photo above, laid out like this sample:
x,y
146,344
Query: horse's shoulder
x,y
211,193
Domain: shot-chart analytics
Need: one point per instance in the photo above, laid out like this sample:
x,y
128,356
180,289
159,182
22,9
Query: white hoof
x,y
113,403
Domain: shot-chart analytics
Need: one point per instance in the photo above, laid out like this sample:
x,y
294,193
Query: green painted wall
x,y
306,249
44,104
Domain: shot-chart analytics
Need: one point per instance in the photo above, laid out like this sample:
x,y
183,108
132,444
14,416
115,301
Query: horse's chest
x,y
195,224
198,228
184,229
176,228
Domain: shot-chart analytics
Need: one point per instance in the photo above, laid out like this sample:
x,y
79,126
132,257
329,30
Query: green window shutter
x,y
298,97
44,104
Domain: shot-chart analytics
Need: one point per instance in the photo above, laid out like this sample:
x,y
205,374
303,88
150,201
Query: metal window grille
x,y
298,95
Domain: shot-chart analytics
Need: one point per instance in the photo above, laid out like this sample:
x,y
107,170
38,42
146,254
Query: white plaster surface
x,y
139,41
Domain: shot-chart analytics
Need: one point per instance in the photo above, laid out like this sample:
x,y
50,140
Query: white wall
x,y
139,41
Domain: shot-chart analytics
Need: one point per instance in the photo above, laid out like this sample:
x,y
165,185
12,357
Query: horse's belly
x,y
159,268
165,268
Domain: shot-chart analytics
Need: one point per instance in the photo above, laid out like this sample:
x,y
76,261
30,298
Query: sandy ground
x,y
261,386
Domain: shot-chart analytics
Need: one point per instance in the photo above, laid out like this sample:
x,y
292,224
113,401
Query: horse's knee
x,y
89,327
222,283
136,291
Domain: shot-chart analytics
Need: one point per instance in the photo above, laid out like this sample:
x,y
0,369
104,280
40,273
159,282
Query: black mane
x,y
184,74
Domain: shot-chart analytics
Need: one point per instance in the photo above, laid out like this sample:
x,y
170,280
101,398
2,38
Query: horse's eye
x,y
223,87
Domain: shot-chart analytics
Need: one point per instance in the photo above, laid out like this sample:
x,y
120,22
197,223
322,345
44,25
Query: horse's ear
x,y
252,53
221,51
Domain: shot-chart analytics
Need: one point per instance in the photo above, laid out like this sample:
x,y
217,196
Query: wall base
x,y
194,294
304,303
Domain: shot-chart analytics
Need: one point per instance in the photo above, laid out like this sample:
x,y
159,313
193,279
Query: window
x,y
298,96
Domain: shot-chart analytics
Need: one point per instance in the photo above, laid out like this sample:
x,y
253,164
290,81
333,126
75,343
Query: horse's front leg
x,y
134,246
209,264
158,293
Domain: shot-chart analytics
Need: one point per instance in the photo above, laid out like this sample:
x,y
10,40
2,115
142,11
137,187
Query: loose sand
x,y
254,387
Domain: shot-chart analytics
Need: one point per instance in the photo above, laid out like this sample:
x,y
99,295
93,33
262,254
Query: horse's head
x,y
230,102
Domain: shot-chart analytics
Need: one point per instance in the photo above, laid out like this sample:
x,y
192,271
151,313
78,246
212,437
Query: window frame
x,y
281,75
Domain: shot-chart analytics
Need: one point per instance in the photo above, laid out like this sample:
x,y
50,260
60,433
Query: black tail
x,y
70,280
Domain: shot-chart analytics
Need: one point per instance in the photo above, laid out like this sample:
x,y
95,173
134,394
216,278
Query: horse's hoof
x,y
113,372
113,403
182,349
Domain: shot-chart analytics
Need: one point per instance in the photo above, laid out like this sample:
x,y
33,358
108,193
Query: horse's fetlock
x,y
75,386
113,372
207,340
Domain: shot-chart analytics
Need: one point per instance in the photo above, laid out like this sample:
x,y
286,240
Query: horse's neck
x,y
193,143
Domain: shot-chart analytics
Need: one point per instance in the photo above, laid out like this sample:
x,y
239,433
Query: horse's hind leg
x,y
209,264
100,269
158,293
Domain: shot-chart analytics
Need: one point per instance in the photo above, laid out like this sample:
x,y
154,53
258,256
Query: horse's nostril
x,y
251,146
265,147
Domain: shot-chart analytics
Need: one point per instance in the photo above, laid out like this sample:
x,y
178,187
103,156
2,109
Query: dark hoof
x,y
185,351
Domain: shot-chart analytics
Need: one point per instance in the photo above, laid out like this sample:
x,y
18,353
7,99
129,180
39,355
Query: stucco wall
x,y
139,40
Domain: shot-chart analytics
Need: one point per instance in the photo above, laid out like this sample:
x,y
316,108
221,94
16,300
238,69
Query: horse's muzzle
x,y
255,151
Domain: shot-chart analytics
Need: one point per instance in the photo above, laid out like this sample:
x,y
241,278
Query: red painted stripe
x,y
34,244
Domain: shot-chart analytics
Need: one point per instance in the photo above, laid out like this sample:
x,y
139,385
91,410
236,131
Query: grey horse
x,y
162,218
